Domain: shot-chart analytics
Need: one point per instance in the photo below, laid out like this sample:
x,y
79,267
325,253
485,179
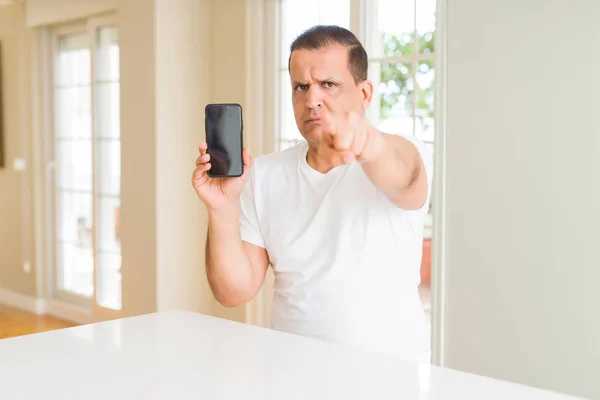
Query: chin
x,y
312,134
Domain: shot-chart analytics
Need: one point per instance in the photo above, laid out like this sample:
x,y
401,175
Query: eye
x,y
330,85
301,87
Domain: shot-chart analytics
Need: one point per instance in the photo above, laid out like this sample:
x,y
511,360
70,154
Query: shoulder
x,y
425,150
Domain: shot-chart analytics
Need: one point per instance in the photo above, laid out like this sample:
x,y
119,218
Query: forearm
x,y
228,268
393,164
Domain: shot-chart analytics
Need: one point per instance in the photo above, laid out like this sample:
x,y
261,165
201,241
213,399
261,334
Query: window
x,y
87,159
399,38
400,43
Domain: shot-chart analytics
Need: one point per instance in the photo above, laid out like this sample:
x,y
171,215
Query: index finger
x,y
343,133
202,148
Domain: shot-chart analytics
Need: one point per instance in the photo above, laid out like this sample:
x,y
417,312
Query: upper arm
x,y
259,261
250,232
417,195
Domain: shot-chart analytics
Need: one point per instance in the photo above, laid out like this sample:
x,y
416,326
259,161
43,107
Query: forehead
x,y
328,59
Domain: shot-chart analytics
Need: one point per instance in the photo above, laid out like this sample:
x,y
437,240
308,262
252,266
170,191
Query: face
x,y
324,90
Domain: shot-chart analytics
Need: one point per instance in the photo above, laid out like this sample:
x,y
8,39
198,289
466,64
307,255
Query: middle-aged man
x,y
339,217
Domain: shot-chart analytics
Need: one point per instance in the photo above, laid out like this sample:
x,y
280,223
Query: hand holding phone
x,y
221,171
218,194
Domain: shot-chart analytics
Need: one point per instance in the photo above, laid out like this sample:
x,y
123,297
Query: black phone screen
x,y
224,139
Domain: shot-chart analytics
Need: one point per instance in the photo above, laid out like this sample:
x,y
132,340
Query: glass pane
x,y
72,112
74,222
289,129
75,269
299,15
108,110
109,280
430,147
391,109
424,112
426,25
72,61
74,163
109,253
108,55
109,223
109,166
390,29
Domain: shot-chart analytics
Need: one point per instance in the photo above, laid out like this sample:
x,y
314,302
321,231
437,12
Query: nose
x,y
313,98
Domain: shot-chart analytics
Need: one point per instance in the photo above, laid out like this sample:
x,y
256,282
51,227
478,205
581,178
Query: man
x,y
338,217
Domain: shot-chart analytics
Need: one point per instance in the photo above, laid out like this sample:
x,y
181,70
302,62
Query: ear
x,y
366,90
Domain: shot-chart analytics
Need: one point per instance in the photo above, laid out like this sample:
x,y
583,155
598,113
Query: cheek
x,y
297,102
345,100
337,101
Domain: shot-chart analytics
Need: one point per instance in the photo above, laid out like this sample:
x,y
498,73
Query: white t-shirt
x,y
346,260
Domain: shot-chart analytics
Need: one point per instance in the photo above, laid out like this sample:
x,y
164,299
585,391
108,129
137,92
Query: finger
x,y
343,133
348,139
201,169
199,177
358,127
360,140
203,159
348,157
202,148
358,133
343,139
247,159
246,156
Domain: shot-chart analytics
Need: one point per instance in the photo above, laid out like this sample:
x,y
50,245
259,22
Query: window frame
x,y
89,306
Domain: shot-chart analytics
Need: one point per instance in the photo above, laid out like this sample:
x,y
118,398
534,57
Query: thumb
x,y
248,161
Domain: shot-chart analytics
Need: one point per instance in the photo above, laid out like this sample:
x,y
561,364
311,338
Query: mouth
x,y
311,121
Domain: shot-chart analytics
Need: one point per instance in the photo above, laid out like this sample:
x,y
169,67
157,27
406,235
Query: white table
x,y
181,355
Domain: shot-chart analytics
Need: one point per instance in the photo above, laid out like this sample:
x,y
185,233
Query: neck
x,y
322,159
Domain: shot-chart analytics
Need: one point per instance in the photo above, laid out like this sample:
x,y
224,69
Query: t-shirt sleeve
x,y
249,225
427,157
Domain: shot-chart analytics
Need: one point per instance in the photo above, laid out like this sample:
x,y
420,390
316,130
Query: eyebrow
x,y
327,79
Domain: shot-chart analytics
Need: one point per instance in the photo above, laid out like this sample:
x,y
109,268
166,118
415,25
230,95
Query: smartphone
x,y
224,131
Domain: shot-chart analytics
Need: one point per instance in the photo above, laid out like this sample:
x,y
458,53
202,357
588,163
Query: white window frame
x,y
72,306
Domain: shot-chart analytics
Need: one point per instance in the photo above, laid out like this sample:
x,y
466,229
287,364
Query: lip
x,y
312,120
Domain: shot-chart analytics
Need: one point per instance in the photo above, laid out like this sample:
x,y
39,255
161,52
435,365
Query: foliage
x,y
399,88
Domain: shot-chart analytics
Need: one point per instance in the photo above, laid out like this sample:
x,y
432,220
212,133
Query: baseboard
x,y
55,308
23,302
68,312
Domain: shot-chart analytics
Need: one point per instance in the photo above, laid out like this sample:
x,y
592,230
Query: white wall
x,y
16,220
164,86
228,83
182,90
523,151
138,153
46,12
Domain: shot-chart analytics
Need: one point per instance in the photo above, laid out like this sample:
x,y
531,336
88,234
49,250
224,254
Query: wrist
x,y
225,212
